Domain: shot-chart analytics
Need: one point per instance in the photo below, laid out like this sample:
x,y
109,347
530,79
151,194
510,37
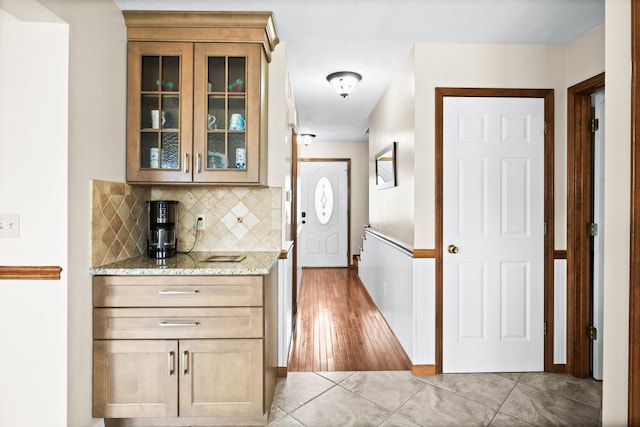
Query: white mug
x,y
211,122
155,119
237,122
153,158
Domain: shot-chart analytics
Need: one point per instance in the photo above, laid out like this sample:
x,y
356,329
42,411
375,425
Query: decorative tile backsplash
x,y
236,219
118,221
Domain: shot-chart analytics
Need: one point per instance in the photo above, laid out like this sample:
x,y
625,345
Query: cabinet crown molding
x,y
203,26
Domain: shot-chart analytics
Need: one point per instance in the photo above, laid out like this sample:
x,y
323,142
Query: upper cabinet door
x,y
227,113
159,112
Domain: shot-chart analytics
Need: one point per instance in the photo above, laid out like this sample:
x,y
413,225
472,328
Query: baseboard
x,y
99,423
282,372
423,369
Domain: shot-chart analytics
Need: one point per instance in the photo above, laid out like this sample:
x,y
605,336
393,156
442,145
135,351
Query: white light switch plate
x,y
9,225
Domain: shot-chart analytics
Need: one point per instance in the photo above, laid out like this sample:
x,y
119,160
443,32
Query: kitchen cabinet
x,y
196,104
184,350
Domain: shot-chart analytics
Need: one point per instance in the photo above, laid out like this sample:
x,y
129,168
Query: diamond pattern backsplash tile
x,y
118,221
236,219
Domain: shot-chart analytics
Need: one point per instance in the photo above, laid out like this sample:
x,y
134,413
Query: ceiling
x,y
372,37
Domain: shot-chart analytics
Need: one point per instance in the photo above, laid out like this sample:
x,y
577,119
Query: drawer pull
x,y
185,362
168,292
178,324
172,362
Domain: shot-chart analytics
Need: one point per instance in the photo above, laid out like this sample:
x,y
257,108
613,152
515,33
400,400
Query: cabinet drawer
x,y
173,323
177,291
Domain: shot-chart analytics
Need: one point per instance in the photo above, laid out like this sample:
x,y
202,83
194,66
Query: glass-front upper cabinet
x,y
194,112
196,96
160,101
227,91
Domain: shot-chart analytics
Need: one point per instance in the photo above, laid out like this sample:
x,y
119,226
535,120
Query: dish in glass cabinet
x,y
215,160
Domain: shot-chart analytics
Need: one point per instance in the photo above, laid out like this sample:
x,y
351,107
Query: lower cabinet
x,y
178,378
184,350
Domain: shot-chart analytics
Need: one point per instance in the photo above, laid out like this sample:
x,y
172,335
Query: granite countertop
x,y
253,263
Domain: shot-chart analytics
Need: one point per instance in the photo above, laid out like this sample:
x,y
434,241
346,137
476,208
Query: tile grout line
x,y
505,400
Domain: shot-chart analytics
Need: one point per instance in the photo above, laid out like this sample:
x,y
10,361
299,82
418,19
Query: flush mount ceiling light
x,y
344,81
307,138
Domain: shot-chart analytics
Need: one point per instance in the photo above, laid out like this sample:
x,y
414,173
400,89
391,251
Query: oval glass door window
x,y
324,200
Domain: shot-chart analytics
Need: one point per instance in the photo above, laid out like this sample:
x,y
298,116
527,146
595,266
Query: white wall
x,y
280,134
391,210
97,118
585,56
33,184
358,153
616,212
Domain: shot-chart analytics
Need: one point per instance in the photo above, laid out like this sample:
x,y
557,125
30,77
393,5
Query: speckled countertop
x,y
257,263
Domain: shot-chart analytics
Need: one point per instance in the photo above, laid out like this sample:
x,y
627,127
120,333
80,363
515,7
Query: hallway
x,y
339,328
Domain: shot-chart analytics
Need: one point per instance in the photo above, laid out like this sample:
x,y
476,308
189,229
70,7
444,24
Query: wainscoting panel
x,y
403,288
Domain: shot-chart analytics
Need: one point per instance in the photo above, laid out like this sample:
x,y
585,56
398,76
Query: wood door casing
x,y
579,200
548,96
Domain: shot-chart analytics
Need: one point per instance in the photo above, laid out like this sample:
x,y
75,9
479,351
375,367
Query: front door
x,y
324,208
493,234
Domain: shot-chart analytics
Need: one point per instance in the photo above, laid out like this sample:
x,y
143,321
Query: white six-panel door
x,y
493,234
324,204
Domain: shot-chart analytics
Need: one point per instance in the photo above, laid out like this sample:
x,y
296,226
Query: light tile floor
x,y
397,398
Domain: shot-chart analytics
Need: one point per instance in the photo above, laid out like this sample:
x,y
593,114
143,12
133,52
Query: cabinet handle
x,y
178,324
172,362
185,362
198,163
185,163
168,292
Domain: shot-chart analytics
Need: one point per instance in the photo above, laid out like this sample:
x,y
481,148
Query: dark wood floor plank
x,y
339,327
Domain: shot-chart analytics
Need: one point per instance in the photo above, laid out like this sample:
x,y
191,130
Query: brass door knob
x,y
452,249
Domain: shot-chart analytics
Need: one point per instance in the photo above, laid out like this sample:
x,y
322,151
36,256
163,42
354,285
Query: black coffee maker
x,y
162,241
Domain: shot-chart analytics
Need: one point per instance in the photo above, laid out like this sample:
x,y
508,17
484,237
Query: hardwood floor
x,y
339,328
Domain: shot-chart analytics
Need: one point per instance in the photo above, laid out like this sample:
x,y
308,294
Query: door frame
x,y
348,161
579,201
548,96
